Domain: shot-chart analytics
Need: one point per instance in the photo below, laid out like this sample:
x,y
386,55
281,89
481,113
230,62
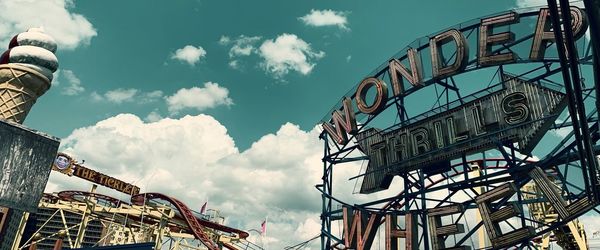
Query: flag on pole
x,y
203,207
263,227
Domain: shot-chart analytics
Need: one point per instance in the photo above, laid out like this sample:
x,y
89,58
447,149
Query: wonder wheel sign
x,y
482,135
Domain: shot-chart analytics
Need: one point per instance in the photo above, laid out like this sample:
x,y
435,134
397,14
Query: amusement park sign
x,y
520,112
105,180
511,114
63,163
442,186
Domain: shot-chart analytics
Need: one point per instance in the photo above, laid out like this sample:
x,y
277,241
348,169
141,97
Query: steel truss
x,y
551,191
151,217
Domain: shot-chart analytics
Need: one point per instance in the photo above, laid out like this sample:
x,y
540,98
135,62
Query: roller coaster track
x,y
195,225
73,196
197,229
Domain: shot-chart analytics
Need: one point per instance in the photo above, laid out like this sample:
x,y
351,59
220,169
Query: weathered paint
x,y
26,158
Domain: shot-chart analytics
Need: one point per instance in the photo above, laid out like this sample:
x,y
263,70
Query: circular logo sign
x,y
62,161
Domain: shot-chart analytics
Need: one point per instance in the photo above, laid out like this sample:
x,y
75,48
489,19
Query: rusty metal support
x,y
573,57
592,8
572,99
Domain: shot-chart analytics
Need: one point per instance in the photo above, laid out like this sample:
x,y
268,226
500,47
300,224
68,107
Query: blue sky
x,y
134,45
218,100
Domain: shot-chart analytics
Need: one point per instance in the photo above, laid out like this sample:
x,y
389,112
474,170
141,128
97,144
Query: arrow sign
x,y
520,112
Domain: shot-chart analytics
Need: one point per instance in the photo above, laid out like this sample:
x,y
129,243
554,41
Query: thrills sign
x,y
521,112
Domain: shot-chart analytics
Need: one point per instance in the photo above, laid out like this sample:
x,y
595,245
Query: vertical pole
x,y
592,9
573,57
89,206
572,104
164,219
325,205
19,234
481,231
64,221
265,235
424,209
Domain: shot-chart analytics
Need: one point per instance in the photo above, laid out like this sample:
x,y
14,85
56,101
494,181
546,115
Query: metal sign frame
x,y
496,189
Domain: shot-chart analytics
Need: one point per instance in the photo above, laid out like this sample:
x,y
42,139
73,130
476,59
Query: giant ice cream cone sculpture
x,y
25,73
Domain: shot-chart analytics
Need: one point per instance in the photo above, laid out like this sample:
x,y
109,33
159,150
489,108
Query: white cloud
x,y
561,132
592,224
275,177
320,18
121,95
210,96
151,155
151,96
70,30
307,229
189,54
224,40
242,51
96,97
55,76
153,116
530,3
288,52
281,55
235,64
242,46
73,86
538,3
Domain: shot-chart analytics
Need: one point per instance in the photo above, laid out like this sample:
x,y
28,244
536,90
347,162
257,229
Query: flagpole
x,y
265,236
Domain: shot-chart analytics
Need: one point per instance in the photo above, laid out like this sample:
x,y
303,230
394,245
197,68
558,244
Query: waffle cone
x,y
19,89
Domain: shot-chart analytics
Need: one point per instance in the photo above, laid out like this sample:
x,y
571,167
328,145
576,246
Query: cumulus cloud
x,y
153,116
194,158
189,54
121,95
241,46
320,18
285,53
70,30
288,53
73,86
209,96
275,177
